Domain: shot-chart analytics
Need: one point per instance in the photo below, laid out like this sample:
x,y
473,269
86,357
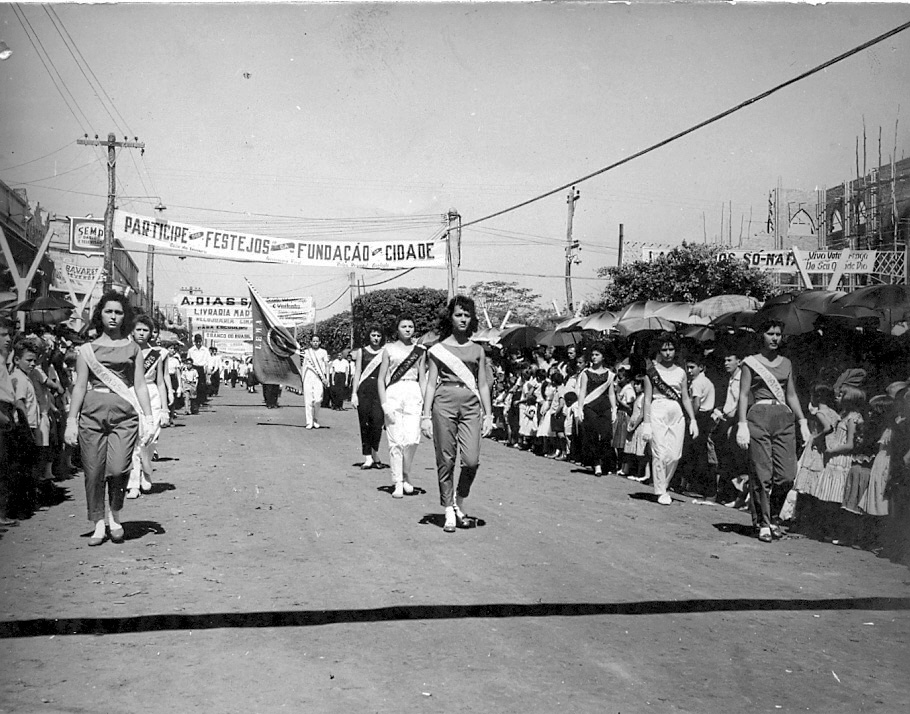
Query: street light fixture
x,y
5,51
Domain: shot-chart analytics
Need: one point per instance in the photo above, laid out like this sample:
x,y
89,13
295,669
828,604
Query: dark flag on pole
x,y
274,348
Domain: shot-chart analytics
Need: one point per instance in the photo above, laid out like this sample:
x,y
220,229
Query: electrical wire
x,y
26,163
700,125
29,33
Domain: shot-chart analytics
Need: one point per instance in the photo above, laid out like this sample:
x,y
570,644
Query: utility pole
x,y
619,257
353,277
571,245
112,145
453,250
150,267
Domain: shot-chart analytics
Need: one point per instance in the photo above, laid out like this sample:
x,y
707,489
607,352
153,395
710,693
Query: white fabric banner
x,y
185,238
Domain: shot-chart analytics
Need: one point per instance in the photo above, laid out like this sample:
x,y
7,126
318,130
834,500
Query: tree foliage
x,y
500,297
382,307
688,273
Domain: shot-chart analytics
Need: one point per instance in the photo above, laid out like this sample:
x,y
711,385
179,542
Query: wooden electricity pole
x,y
112,145
571,245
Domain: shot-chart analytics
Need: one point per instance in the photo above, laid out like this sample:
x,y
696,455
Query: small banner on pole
x,y
274,348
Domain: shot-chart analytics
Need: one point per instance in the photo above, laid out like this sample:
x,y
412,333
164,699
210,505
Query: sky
x,y
265,117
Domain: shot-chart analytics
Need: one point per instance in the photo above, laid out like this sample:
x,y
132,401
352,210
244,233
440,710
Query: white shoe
x,y
407,487
309,426
399,491
132,493
664,499
316,426
145,485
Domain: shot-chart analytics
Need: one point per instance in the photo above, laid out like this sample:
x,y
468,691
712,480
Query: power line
x,y
29,33
26,163
696,127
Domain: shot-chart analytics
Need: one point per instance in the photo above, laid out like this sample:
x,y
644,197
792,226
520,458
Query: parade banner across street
x,y
217,243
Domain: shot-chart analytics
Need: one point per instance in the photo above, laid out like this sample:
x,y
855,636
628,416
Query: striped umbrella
x,y
718,305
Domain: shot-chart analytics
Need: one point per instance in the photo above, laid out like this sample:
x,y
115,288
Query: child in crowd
x,y
625,400
636,448
190,379
527,428
838,459
25,357
874,503
822,420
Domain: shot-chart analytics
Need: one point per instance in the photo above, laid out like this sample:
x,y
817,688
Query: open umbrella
x,y
167,338
523,336
796,320
640,324
815,300
46,310
681,312
641,308
735,320
490,334
699,333
718,305
892,300
599,321
568,324
555,338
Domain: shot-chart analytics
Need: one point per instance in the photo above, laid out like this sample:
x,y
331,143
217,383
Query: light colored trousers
x,y
312,396
405,402
143,454
668,429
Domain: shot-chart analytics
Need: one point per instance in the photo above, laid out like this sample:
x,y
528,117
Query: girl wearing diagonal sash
x,y
768,405
401,383
159,393
666,396
457,411
597,395
365,398
105,421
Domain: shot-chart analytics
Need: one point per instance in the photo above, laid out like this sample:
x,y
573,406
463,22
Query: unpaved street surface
x,y
268,573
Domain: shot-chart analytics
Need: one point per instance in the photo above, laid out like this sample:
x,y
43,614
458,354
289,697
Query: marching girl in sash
x,y
153,359
315,368
768,406
597,395
107,419
401,383
456,407
666,396
365,398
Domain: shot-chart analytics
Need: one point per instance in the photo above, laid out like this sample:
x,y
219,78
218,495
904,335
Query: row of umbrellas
x,y
882,307
45,310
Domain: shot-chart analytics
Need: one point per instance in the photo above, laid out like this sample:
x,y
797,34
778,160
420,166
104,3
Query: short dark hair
x,y
144,319
664,338
695,357
128,313
445,319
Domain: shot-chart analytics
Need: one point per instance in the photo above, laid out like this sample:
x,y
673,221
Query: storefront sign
x,y
87,236
813,261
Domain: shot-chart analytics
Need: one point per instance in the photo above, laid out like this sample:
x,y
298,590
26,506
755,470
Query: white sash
x,y
371,367
598,392
458,368
114,383
768,378
310,361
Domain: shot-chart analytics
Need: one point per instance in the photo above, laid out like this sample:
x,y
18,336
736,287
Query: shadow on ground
x,y
44,627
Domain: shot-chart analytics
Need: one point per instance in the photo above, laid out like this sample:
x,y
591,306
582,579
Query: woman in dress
x,y
456,407
105,420
597,396
365,398
768,404
159,392
665,408
401,385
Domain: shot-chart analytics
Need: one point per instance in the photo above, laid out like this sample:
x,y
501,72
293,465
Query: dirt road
x,y
268,573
